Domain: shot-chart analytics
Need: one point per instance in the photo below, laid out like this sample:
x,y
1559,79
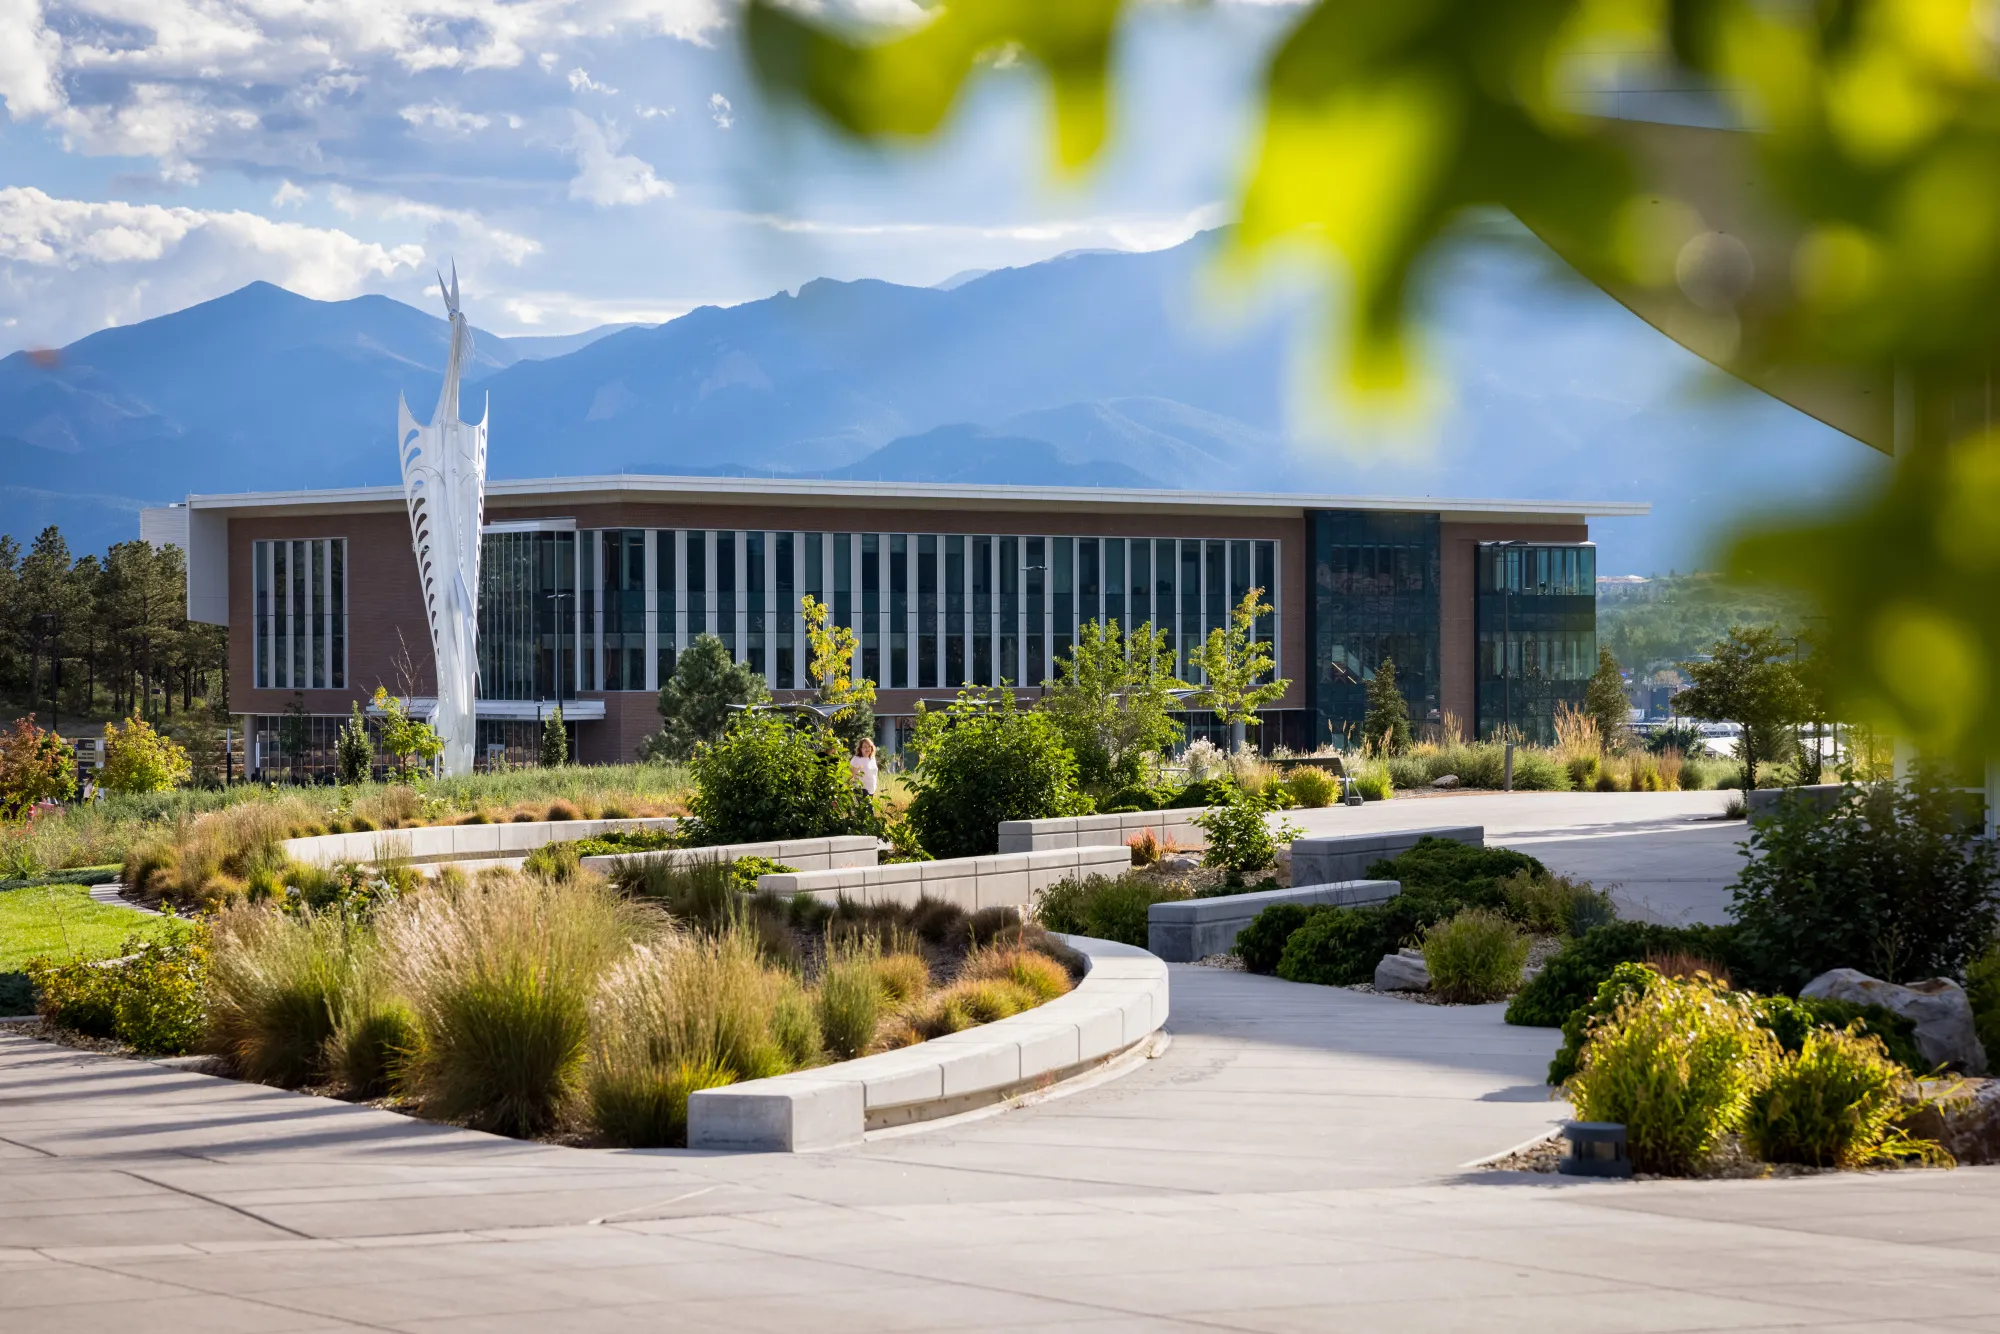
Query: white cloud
x,y
652,113
68,266
174,79
718,107
28,60
289,196
455,231
445,117
1137,233
605,177
581,82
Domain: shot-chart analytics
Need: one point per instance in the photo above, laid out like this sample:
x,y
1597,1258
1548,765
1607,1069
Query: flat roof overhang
x,y
807,493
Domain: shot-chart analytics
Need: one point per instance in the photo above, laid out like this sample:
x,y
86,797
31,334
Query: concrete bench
x,y
1080,831
807,854
1005,880
1121,1002
1340,857
1194,929
453,842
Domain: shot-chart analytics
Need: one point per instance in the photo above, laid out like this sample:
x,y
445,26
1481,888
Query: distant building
x,y
591,587
1626,588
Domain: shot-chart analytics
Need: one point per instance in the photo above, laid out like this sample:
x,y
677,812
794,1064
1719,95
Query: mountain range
x,y
1092,369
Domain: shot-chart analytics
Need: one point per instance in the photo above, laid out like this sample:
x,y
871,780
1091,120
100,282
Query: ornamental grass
x,y
276,982
500,976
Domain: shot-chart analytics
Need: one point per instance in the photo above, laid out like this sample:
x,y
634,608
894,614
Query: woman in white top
x,y
863,768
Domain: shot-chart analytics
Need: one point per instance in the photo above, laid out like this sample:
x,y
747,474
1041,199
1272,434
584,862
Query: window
x,y
1536,628
299,610
725,591
1037,572
871,606
756,595
666,600
1010,611
785,611
899,611
954,612
1375,596
982,611
927,611
527,609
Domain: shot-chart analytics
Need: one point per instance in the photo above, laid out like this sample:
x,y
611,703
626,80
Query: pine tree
x,y
354,752
1604,700
555,741
1387,722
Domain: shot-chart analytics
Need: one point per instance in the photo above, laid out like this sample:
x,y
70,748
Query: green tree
x,y
354,751
1112,700
1604,700
1236,668
1748,679
1836,254
1387,722
694,703
831,670
981,761
55,606
138,759
413,742
555,741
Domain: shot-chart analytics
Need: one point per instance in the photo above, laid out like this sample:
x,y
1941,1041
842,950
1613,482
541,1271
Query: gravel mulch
x,y
1730,1162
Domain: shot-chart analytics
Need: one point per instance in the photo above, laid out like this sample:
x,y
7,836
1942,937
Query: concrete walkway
x,y
1293,1162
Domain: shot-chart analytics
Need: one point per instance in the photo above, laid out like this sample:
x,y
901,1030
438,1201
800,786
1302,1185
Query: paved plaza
x,y
1295,1160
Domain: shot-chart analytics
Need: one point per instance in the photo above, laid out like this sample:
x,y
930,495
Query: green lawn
x,y
61,921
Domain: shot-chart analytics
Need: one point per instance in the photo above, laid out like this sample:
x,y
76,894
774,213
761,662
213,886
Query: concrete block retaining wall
x,y
807,854
1196,928
1121,1002
1079,831
1007,880
1341,857
454,842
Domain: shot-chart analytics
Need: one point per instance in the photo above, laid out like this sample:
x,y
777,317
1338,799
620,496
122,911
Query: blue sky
x,y
584,161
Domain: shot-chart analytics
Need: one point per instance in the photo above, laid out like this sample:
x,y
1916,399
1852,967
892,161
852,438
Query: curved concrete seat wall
x,y
453,842
1192,929
1078,831
1121,1002
1005,880
808,854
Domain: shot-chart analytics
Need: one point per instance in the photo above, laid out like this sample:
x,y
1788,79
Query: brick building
x,y
590,587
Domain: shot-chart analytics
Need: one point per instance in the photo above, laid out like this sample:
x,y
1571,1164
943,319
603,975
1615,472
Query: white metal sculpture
x,y
444,481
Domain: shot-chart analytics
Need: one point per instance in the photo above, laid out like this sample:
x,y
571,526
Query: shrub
x,y
1790,1020
1677,1067
1372,781
1551,904
1627,982
1312,786
159,994
1202,792
1474,957
1982,988
79,995
554,861
766,780
1886,882
987,924
1239,837
35,765
1262,943
500,977
902,978
1103,908
1145,847
275,982
1571,978
354,751
744,872
1465,871
1340,947
138,759
1833,1103
981,761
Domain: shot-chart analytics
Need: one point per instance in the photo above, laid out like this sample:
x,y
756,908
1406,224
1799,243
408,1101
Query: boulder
x,y
1179,863
1402,971
1963,1115
1936,1005
1445,780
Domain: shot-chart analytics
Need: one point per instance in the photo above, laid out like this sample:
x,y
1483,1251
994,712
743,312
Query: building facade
x,y
591,588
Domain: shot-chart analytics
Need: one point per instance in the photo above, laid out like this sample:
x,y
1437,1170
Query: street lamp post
x,y
556,596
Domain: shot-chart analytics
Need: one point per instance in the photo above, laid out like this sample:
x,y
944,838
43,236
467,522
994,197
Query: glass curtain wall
x,y
1374,598
1536,623
299,611
930,611
527,615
